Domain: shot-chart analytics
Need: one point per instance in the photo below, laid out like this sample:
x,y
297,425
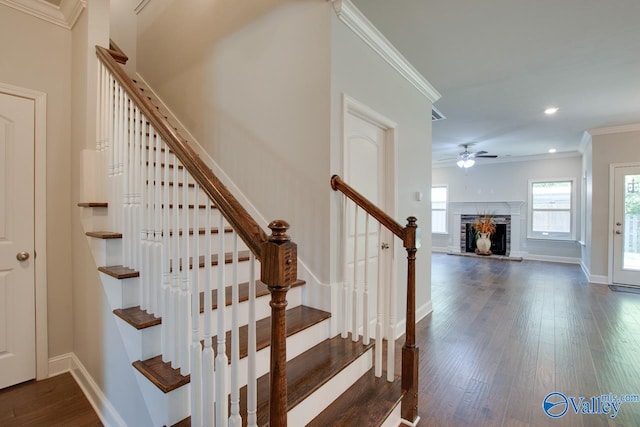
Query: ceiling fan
x,y
466,159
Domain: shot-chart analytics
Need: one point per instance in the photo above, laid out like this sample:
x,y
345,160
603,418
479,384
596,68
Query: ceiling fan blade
x,y
479,153
487,156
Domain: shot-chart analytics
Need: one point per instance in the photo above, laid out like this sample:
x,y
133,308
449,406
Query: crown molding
x,y
64,15
635,127
141,5
348,13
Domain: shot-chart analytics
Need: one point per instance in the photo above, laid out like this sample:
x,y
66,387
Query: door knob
x,y
618,232
22,256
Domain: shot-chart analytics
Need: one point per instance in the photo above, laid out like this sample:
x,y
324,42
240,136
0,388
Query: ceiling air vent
x,y
436,115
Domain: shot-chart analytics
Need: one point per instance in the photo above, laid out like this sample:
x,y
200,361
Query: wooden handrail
x,y
339,185
246,227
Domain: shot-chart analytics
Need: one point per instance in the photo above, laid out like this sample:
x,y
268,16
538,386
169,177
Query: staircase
x,y
179,267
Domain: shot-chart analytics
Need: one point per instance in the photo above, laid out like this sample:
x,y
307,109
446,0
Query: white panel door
x,y
17,280
365,169
626,225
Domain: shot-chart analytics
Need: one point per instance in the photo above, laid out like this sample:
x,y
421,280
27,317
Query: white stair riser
x,y
95,219
106,251
141,344
121,293
309,408
166,409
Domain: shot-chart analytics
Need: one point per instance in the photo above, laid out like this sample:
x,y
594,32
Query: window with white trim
x,y
439,209
552,209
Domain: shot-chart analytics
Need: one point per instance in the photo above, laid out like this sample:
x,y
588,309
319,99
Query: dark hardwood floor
x,y
502,336
505,334
56,401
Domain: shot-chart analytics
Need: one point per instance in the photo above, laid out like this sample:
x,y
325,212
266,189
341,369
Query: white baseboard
x,y
438,249
549,258
598,279
104,409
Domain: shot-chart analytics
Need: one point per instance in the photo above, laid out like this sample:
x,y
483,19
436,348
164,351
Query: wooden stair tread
x,y
104,234
308,372
140,319
137,317
161,374
119,271
368,402
93,204
298,318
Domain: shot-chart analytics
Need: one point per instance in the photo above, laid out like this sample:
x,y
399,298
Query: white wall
x,y
122,30
509,181
37,55
356,70
608,148
250,81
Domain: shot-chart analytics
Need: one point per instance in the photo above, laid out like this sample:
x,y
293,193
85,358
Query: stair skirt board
x,y
309,408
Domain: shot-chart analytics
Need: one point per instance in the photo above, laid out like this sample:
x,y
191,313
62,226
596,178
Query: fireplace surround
x,y
507,213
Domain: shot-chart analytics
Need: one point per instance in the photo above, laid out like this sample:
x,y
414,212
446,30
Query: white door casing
x,y
369,167
17,280
625,226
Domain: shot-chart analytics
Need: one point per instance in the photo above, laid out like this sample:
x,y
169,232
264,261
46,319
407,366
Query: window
x,y
439,209
551,209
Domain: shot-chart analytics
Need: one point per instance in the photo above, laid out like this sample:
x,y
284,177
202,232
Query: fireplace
x,y
508,213
500,240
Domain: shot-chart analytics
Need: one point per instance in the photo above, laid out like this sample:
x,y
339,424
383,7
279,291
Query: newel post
x,y
410,354
278,270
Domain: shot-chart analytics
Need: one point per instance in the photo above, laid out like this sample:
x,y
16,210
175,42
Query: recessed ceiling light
x,y
552,150
551,110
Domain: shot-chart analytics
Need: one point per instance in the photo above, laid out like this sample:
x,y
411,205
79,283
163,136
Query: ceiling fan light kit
x,y
465,159
466,163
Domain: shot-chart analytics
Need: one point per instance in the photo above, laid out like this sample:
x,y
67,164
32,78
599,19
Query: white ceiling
x,y
499,63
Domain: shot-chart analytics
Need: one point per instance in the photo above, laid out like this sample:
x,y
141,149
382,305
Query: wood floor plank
x,y
544,328
56,401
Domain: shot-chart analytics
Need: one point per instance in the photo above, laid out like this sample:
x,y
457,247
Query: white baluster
x,y
365,294
196,348
156,284
252,387
380,308
99,106
177,265
144,218
208,388
345,263
221,357
126,193
167,245
137,168
184,289
235,420
111,124
391,329
107,104
354,294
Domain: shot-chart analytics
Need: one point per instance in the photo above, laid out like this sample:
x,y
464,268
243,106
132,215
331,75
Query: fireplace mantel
x,y
513,208
492,208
